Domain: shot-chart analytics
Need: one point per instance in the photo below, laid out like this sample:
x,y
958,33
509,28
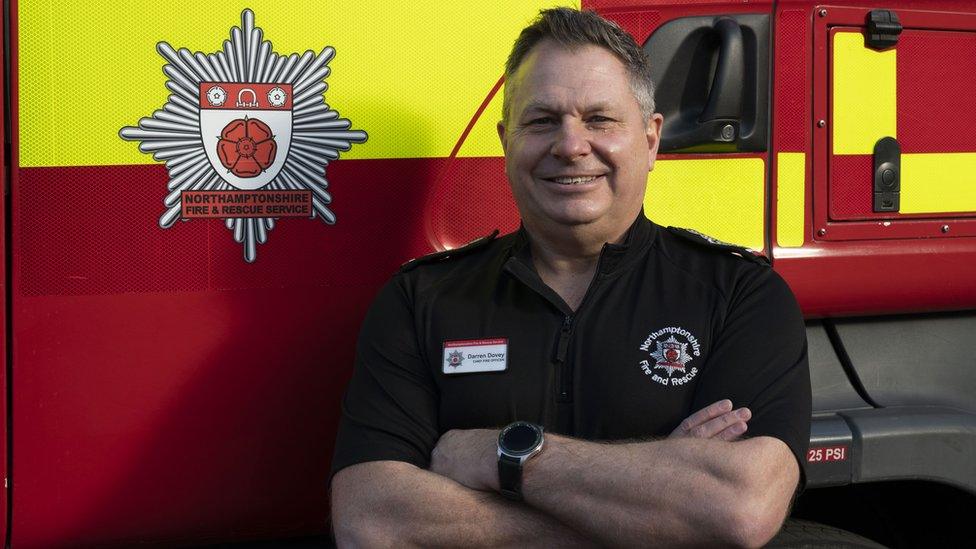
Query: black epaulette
x,y
714,243
446,254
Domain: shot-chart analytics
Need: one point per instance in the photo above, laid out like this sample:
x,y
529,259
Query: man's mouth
x,y
574,180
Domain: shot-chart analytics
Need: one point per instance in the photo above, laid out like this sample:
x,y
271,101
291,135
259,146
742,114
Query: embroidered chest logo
x,y
670,350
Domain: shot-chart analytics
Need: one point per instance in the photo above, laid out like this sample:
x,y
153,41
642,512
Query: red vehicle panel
x,y
162,390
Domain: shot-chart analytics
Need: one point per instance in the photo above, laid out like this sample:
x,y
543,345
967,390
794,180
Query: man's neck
x,y
566,258
561,249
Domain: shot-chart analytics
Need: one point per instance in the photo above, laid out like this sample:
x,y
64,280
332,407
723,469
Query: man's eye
x,y
597,119
541,121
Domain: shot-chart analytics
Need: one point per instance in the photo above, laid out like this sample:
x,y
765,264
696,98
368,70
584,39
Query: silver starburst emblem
x,y
246,135
671,355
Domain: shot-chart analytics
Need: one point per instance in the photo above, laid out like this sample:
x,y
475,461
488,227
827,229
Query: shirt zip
x,y
565,370
566,331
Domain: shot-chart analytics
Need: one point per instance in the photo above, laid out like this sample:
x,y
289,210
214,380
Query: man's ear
x,y
501,135
654,126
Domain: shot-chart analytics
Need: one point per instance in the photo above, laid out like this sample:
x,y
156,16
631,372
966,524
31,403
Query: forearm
x,y
397,504
669,492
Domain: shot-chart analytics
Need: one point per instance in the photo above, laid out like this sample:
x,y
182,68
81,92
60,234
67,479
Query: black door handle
x,y
712,76
720,120
725,95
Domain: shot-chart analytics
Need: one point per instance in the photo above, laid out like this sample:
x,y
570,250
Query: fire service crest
x,y
246,135
455,358
670,350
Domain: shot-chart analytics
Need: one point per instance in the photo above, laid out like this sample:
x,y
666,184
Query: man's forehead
x,y
554,76
549,58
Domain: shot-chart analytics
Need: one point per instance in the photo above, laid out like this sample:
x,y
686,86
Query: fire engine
x,y
201,201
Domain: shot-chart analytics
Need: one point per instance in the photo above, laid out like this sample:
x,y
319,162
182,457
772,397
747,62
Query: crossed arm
x,y
699,486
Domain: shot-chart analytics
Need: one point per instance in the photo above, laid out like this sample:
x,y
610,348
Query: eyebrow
x,y
538,106
548,108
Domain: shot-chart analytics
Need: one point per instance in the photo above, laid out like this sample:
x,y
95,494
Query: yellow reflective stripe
x,y
790,193
410,74
938,183
864,101
721,197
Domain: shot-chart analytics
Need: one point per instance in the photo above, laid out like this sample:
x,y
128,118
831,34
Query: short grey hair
x,y
573,28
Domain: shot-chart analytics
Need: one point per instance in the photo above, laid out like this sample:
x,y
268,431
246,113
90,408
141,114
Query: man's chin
x,y
575,217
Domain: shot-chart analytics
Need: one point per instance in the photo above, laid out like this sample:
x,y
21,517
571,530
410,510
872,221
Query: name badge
x,y
475,355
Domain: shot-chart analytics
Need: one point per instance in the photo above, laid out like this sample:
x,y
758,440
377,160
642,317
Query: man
x,y
591,322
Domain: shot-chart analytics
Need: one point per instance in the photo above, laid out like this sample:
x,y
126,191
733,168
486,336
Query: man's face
x,y
577,148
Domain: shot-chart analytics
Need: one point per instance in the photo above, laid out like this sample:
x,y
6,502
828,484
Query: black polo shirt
x,y
669,324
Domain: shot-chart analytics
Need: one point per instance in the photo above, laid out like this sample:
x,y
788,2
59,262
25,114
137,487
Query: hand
x,y
717,420
469,457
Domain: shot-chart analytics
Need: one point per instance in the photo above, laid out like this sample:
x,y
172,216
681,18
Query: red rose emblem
x,y
246,147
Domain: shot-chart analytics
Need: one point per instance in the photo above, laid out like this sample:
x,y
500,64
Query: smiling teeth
x,y
573,180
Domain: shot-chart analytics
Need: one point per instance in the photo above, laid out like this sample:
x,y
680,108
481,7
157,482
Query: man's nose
x,y
571,141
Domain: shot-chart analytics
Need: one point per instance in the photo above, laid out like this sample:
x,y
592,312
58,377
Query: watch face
x,y
520,438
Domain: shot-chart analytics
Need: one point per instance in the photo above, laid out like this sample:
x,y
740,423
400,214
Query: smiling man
x,y
538,389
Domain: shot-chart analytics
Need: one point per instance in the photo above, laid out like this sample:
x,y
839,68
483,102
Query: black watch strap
x,y
510,477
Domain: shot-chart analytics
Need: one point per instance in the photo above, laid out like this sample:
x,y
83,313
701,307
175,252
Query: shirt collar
x,y
614,257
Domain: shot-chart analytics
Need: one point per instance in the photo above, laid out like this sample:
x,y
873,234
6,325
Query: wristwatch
x,y
517,443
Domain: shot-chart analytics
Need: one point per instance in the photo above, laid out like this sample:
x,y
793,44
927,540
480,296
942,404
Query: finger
x,y
691,422
713,410
715,426
733,432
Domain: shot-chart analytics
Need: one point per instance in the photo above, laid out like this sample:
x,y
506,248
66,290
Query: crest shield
x,y
672,352
246,130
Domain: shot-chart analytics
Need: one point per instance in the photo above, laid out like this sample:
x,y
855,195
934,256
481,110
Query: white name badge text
x,y
475,355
